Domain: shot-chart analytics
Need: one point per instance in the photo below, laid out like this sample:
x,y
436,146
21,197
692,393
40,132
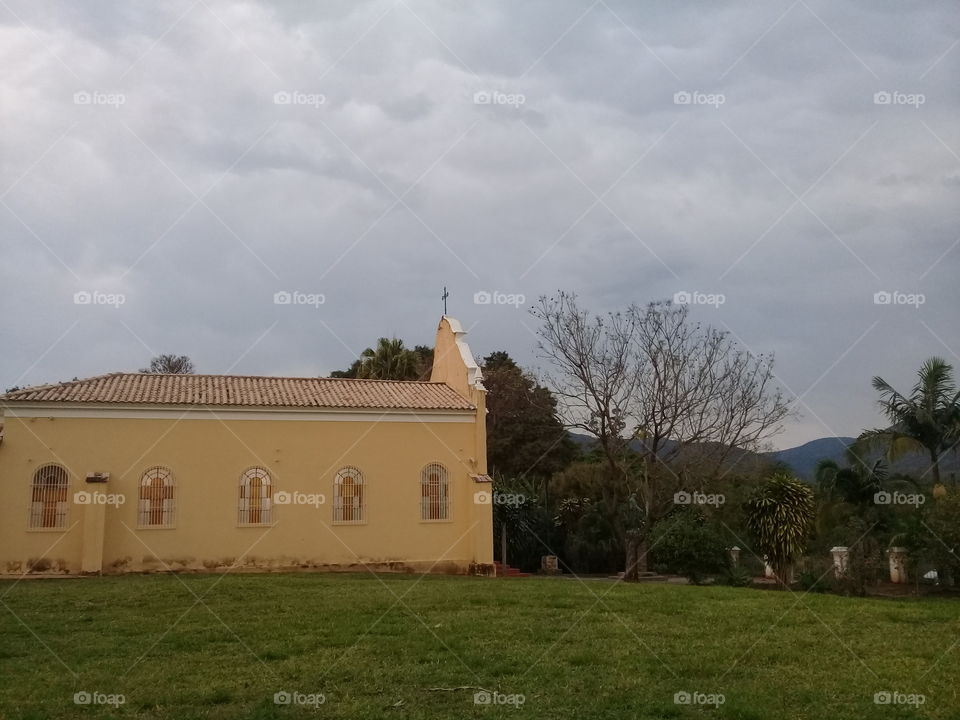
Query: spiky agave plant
x,y
779,516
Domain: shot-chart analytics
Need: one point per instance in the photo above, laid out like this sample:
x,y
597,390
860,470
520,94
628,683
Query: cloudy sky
x,y
166,171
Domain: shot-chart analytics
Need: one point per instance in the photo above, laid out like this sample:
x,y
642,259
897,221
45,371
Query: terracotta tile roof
x,y
246,390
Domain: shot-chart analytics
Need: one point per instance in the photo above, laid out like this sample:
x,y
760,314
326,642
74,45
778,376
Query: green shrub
x,y
938,546
687,545
814,582
735,577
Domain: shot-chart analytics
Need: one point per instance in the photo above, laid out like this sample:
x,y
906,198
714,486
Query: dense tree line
x,y
643,408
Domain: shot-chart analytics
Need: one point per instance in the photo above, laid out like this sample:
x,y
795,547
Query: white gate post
x,y
734,556
898,564
840,558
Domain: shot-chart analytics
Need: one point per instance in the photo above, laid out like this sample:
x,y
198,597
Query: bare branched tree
x,y
169,364
700,397
668,400
595,376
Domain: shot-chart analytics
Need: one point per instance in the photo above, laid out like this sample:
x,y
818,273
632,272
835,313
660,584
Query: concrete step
x,y
644,577
507,571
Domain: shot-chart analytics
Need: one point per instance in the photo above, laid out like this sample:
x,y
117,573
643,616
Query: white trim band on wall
x,y
162,412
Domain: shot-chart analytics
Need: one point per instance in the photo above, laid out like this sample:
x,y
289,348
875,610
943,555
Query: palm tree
x,y
855,484
390,360
928,419
853,489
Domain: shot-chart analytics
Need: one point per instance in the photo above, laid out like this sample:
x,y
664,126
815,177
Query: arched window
x,y
157,498
48,497
434,495
256,497
348,500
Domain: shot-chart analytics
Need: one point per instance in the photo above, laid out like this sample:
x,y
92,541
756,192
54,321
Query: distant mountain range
x,y
804,458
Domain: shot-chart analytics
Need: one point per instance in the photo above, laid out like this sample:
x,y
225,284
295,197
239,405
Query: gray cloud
x,y
397,183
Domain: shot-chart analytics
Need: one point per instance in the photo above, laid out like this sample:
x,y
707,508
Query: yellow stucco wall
x,y
207,451
207,457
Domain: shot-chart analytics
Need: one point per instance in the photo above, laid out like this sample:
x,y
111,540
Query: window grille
x,y
434,495
157,498
48,498
256,497
348,496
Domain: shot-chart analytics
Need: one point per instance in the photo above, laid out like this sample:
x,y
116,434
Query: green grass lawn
x,y
381,648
